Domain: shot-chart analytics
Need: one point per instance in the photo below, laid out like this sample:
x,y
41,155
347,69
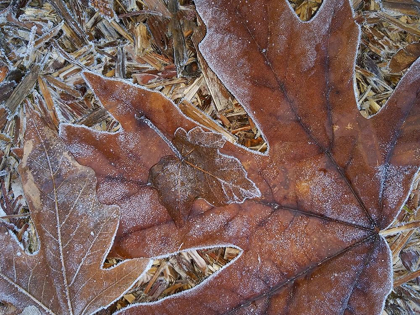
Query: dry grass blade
x,y
409,7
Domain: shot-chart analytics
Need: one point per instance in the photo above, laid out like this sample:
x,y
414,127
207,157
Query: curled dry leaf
x,y
330,181
65,276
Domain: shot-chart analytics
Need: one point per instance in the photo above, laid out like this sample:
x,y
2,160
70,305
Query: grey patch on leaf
x,y
31,310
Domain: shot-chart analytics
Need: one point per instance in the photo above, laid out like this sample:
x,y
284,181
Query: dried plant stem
x,y
406,278
402,228
154,278
404,26
403,238
399,244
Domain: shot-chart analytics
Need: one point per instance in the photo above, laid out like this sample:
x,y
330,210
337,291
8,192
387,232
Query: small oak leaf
x,y
198,170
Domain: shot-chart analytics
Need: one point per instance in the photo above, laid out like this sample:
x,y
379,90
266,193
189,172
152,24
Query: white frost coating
x,y
405,200
197,288
390,277
241,92
130,140
209,225
314,37
319,191
412,75
203,138
14,237
60,255
343,233
235,45
143,209
96,132
80,149
28,54
58,110
31,310
391,178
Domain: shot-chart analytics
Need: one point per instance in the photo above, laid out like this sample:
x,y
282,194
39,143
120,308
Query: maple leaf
x,y
330,181
65,276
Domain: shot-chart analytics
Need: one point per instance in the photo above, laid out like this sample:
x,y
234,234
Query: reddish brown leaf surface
x,y
330,181
75,231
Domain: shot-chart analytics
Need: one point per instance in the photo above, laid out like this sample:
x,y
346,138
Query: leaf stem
x,y
161,135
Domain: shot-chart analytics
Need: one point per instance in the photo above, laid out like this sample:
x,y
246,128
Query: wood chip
x,y
22,90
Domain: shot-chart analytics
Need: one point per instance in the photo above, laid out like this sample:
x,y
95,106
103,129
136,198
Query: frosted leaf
x,y
199,171
65,276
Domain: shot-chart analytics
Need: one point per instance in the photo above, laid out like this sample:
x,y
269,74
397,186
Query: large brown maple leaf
x,y
65,276
330,181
